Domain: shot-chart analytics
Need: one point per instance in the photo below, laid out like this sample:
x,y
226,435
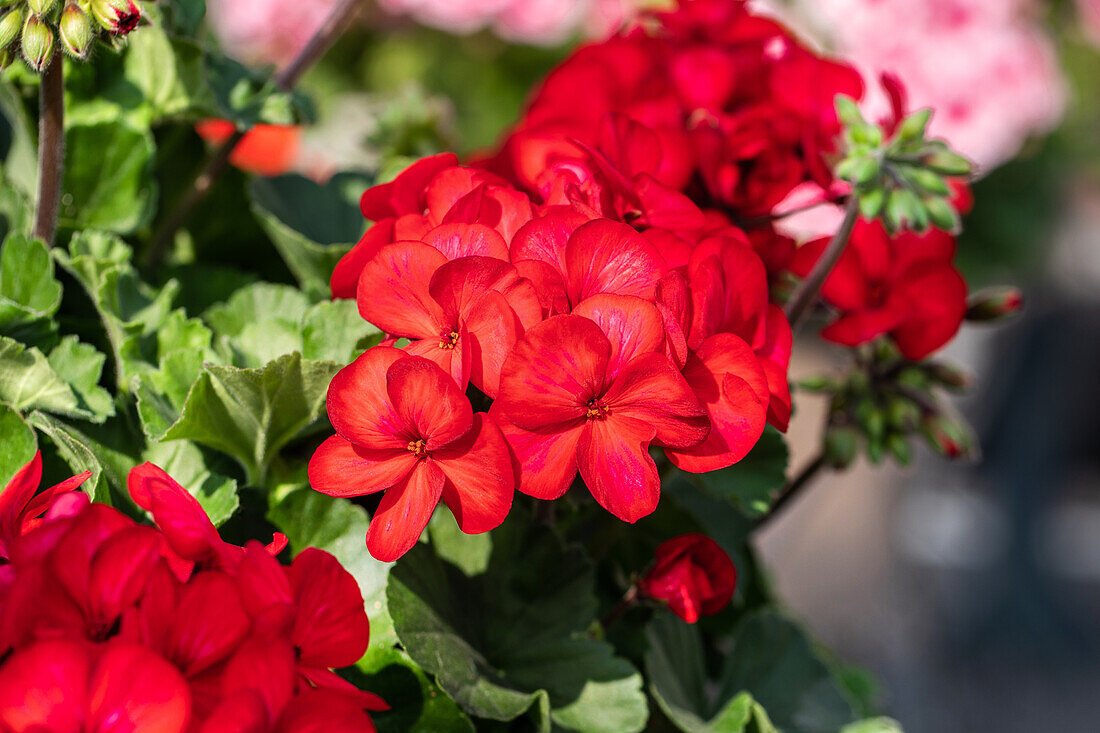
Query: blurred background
x,y
970,591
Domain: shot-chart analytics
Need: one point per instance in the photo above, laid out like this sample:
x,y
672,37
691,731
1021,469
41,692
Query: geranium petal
x,y
404,512
606,256
331,627
427,400
480,479
465,240
632,325
613,458
649,390
393,289
341,468
45,685
132,689
359,405
544,460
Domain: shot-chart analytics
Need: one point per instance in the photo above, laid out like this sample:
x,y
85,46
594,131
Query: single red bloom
x,y
465,314
266,150
590,392
403,426
905,287
693,575
68,686
20,509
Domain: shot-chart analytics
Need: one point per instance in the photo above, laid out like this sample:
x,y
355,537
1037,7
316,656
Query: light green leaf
x,y
29,293
250,414
108,180
875,725
83,454
183,461
417,705
21,164
312,226
311,519
81,365
17,444
513,639
752,483
334,330
27,381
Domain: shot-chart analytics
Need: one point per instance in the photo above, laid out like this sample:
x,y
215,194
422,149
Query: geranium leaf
x,y
17,444
874,725
512,640
29,292
81,365
250,414
108,180
417,704
184,461
82,454
752,483
337,526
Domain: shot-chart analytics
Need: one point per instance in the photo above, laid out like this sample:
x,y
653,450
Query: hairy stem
x,y
791,491
51,149
804,297
625,604
337,21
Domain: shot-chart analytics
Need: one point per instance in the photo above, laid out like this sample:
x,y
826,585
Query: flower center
x,y
418,448
598,410
448,339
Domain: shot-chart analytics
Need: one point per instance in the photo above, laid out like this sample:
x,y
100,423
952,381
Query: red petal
x,y
345,276
120,571
545,239
210,622
359,405
404,512
548,284
341,468
632,325
862,326
428,402
262,580
241,712
393,290
178,514
459,284
404,194
613,458
651,391
45,685
545,461
134,690
464,240
323,711
938,297
609,257
331,627
553,372
480,480
265,666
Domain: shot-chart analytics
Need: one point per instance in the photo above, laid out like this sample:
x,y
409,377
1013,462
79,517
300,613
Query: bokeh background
x,y
970,592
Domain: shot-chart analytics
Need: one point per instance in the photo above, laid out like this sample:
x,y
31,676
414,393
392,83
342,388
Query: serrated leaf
x,y
108,182
417,704
81,366
29,292
250,414
513,640
17,444
333,329
312,226
337,526
767,659
28,382
184,461
753,482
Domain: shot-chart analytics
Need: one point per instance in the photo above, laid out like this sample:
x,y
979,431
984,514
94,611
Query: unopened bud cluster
x,y
887,402
33,28
902,178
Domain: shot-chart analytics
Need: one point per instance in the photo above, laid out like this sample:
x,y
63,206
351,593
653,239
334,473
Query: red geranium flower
x,y
693,575
905,287
20,509
590,392
403,426
266,150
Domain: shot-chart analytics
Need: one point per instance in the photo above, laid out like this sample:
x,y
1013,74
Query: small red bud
x,y
693,575
994,303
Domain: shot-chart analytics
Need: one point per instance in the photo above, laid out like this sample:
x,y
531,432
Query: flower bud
x,y
899,449
841,445
41,7
10,25
914,126
948,376
942,214
37,43
6,57
902,414
693,574
116,16
948,437
994,303
76,30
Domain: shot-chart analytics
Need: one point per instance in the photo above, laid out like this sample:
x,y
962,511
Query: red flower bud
x,y
116,16
994,303
693,575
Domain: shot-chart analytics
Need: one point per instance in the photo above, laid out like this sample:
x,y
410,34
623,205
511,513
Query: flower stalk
x,y
799,305
51,148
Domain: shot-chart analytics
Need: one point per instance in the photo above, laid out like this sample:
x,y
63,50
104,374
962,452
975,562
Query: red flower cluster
x,y
735,111
594,337
108,625
693,575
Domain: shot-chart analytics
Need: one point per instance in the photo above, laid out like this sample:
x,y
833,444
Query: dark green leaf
x,y
417,705
753,482
513,639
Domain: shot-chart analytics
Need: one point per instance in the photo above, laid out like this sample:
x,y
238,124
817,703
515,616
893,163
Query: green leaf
x,y
513,639
27,381
875,725
108,181
244,96
753,482
183,461
17,444
184,17
250,414
21,164
312,226
83,454
767,656
468,552
81,365
311,519
417,705
334,330
29,293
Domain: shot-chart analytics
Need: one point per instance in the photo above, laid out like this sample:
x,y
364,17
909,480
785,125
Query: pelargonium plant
x,y
524,411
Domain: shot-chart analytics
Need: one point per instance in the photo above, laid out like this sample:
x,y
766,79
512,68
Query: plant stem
x,y
51,148
806,294
791,491
340,17
624,605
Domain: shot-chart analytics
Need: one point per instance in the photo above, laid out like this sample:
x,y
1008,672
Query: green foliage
x,y
752,483
29,293
417,705
512,640
17,443
108,183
